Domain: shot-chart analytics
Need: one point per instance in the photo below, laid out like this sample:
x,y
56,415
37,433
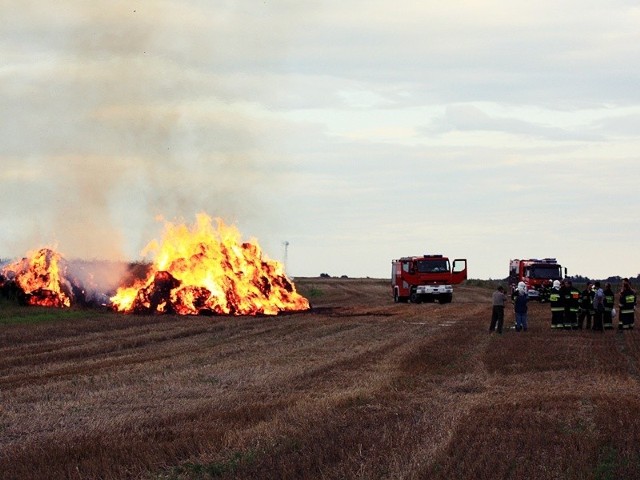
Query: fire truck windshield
x,y
433,266
552,272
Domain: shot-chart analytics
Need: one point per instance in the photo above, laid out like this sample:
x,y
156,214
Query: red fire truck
x,y
537,274
429,277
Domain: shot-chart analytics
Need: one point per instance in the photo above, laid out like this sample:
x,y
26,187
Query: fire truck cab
x,y
426,278
537,275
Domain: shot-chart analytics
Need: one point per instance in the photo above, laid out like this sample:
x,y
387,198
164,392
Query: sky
x,y
354,131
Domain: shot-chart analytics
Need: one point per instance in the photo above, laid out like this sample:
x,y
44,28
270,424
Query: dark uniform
x,y
609,301
627,307
571,305
556,301
586,307
545,290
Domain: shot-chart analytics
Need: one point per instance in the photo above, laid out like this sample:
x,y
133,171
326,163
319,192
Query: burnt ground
x,y
358,387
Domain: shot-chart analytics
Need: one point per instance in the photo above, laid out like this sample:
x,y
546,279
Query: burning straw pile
x,y
202,270
39,279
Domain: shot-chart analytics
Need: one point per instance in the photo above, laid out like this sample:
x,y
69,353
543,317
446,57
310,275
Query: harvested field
x,y
357,388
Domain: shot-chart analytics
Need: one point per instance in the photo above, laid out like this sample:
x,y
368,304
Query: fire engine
x,y
537,275
429,277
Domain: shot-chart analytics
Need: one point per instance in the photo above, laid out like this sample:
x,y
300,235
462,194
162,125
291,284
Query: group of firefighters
x,y
570,307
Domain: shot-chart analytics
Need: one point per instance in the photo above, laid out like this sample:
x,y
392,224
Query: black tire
x,y
414,297
446,298
396,297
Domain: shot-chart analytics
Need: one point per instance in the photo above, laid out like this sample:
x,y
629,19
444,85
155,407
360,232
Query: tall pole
x,y
286,254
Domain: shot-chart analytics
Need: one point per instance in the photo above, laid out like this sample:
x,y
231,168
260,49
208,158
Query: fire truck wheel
x,y
396,297
446,298
415,298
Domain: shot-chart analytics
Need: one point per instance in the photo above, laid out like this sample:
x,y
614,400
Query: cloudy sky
x,y
357,131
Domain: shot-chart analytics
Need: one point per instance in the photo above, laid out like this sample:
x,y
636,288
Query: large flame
x,y
41,277
207,269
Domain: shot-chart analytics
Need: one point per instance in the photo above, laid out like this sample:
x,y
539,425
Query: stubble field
x,y
357,388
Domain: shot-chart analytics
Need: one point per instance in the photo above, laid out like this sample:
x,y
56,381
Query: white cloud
x,y
471,118
358,131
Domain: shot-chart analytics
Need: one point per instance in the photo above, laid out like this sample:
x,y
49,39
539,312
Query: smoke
x,y
111,100
98,280
82,217
126,120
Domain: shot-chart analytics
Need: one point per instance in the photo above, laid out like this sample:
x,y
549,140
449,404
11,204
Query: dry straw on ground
x,y
358,388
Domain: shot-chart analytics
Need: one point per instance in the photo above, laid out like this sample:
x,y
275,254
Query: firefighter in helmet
x,y
545,290
627,306
609,312
571,305
557,305
586,306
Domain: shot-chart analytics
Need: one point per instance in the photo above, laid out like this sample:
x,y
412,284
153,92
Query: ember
x,y
207,270
41,279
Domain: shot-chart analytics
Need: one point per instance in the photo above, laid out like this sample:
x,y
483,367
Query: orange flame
x,y
204,269
41,277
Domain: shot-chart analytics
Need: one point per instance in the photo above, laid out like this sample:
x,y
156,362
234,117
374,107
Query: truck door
x,y
459,270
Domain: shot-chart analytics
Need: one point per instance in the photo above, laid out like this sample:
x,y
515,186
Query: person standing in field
x,y
520,306
564,293
571,305
497,313
556,301
627,306
598,308
586,306
609,302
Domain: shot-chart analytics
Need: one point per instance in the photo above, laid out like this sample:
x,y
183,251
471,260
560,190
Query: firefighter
x,y
586,306
627,306
556,301
571,305
545,290
609,312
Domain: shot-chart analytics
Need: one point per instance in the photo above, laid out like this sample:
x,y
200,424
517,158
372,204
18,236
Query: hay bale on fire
x,y
40,279
156,297
207,270
45,278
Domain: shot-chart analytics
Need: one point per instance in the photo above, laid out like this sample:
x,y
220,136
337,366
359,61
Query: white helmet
x,y
522,287
556,284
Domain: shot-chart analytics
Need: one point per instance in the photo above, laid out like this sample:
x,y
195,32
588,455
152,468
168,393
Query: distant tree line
x,y
615,279
326,275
